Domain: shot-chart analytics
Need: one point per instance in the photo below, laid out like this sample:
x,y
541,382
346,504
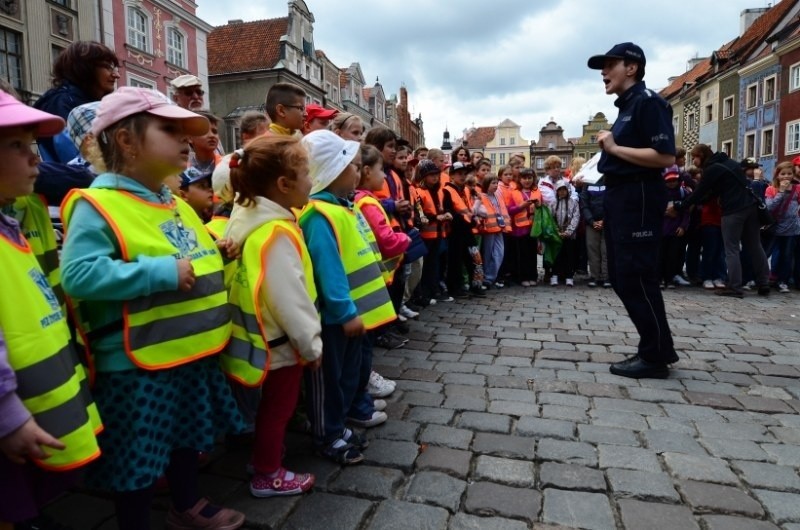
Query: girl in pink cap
x,y
152,308
47,418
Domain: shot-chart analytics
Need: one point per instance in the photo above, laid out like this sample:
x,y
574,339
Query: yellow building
x,y
498,143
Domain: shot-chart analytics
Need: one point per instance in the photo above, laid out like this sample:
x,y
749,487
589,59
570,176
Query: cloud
x,y
478,62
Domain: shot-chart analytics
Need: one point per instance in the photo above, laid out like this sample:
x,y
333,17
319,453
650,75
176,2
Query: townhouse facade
x,y
586,145
732,100
551,143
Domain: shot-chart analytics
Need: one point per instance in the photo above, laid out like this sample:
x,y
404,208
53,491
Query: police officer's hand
x,y
186,276
26,442
605,139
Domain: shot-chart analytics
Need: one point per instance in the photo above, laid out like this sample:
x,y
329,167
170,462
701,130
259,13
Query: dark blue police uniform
x,y
635,201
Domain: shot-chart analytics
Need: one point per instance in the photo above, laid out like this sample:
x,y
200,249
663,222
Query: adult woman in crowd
x,y
724,178
84,72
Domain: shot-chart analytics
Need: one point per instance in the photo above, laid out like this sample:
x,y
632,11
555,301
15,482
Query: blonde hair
x,y
103,151
552,162
577,164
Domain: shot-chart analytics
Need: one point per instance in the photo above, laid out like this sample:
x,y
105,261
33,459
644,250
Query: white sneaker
x,y
708,284
719,284
379,404
749,285
407,313
377,418
570,283
378,386
783,288
401,318
679,280
553,280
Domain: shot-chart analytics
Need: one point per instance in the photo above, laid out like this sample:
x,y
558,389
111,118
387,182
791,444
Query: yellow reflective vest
x,y
389,265
34,220
51,383
168,328
367,286
247,357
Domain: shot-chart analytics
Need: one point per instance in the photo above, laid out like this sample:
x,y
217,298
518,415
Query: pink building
x,y
156,41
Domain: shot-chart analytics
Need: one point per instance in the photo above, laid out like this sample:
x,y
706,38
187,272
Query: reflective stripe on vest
x,y
51,382
168,328
216,227
247,357
389,265
521,219
367,287
491,224
36,226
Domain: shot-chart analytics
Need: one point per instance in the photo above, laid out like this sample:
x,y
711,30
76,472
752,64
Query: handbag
x,y
416,249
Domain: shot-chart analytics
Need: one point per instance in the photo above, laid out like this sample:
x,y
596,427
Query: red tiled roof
x,y
245,46
479,137
692,76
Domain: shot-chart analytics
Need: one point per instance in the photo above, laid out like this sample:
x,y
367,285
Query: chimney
x,y
748,16
236,21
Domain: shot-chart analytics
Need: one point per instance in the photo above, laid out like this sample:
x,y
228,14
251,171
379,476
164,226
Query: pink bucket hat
x,y
126,101
14,113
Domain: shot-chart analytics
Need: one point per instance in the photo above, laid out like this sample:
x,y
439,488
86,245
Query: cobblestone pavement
x,y
506,417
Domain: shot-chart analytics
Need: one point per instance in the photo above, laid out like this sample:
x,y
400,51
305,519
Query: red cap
x,y
796,161
315,111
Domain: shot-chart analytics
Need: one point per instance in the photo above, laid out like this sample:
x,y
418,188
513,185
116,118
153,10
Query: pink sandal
x,y
268,486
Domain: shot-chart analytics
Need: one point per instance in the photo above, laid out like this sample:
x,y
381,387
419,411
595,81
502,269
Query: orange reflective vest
x,y
460,205
492,223
386,193
435,229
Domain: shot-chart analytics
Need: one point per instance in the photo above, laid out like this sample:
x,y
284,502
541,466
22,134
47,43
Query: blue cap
x,y
427,167
192,175
625,50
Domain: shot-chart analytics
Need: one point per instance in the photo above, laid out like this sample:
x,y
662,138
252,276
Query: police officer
x,y
639,145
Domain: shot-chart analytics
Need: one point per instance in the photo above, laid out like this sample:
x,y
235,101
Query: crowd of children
x,y
211,295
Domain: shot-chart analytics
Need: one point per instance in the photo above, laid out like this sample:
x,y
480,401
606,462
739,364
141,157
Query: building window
x,y
563,162
494,159
675,126
751,96
336,95
137,29
502,158
55,51
769,89
728,109
502,141
750,145
691,121
708,114
512,141
308,72
11,57
767,137
794,77
65,3
176,48
539,163
727,147
138,82
793,137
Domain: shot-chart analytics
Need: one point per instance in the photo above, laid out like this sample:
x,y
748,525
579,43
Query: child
x,y
252,124
348,126
547,184
492,210
47,418
458,202
286,107
483,168
273,296
435,232
204,157
196,191
784,205
391,246
153,309
591,201
673,241
530,195
520,208
352,292
566,215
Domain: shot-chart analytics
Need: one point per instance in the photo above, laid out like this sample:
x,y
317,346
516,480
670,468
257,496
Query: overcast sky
x,y
477,63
